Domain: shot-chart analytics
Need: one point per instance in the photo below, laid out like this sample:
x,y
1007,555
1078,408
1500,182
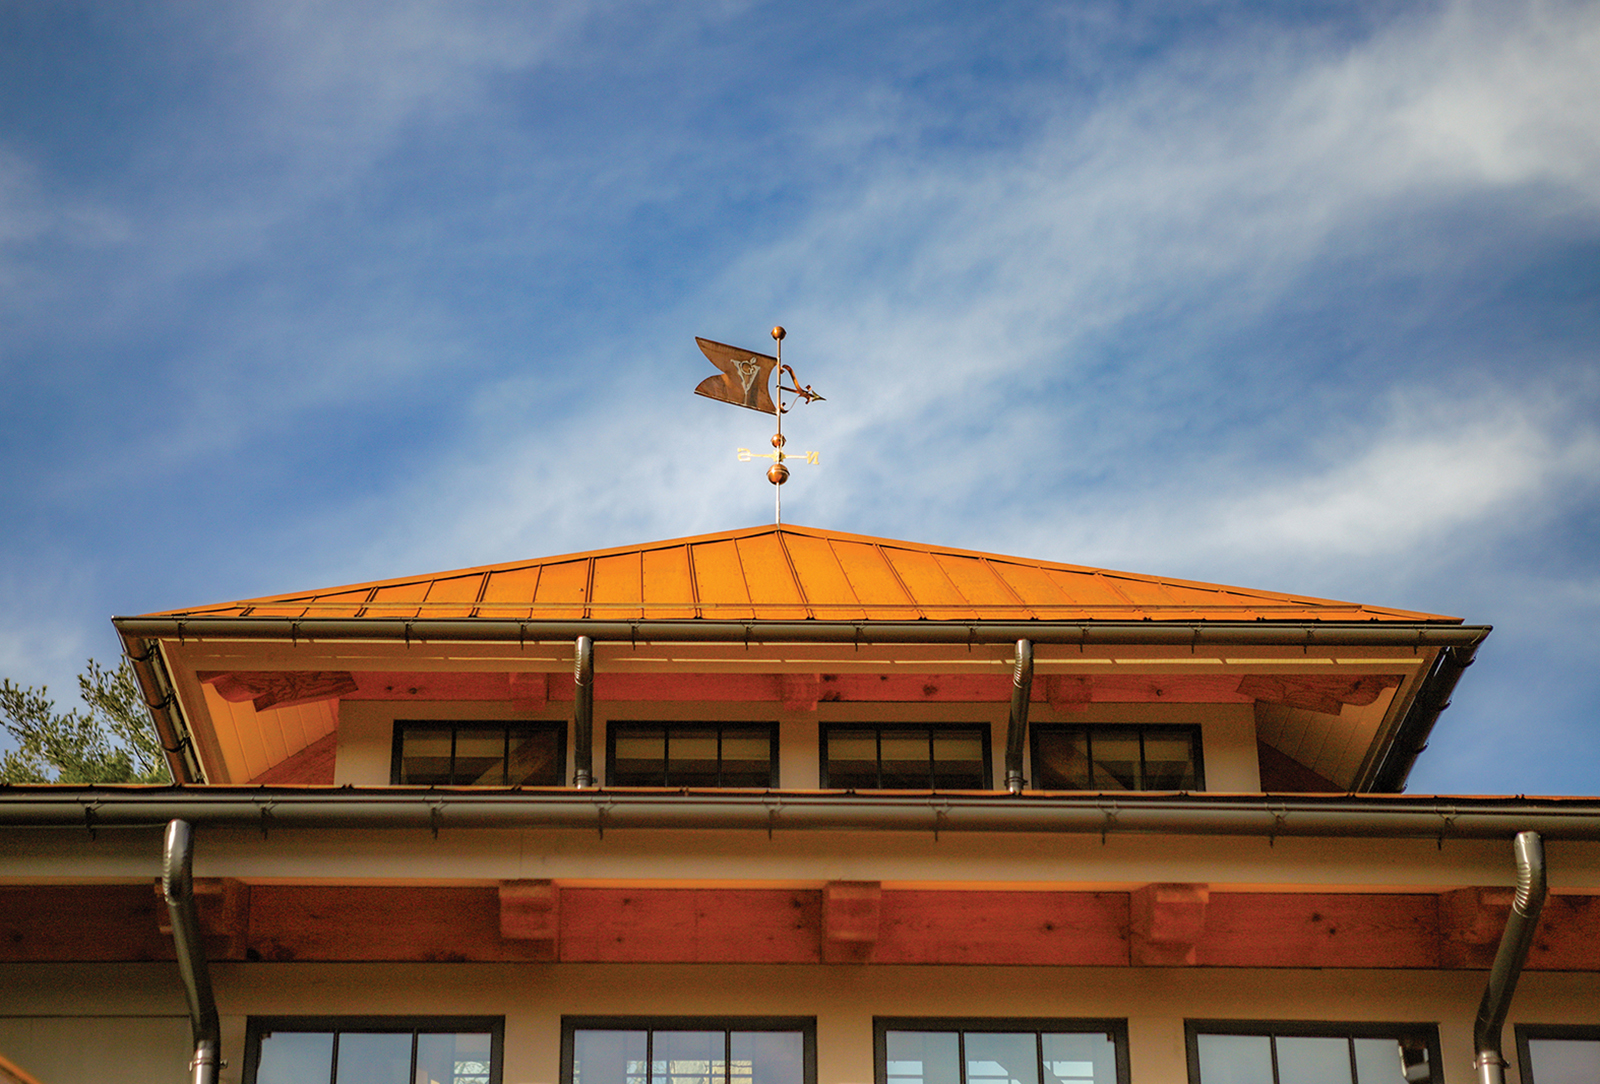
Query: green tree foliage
x,y
109,741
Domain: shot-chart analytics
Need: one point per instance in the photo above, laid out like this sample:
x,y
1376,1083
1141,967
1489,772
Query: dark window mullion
x,y
1350,1041
333,1063
877,779
961,1056
719,754
413,1075
455,733
727,1033
666,756
1088,754
933,764
1272,1045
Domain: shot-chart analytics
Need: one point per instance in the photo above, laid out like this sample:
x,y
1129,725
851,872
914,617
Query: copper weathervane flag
x,y
743,379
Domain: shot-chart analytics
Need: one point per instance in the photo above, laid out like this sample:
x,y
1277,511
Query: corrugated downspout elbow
x,y
1512,954
583,728
177,884
1017,728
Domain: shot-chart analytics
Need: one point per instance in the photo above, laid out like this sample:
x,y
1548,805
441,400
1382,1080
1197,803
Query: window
x,y
640,754
373,1050
475,753
1117,758
688,1050
922,1051
906,756
1553,1054
1298,1052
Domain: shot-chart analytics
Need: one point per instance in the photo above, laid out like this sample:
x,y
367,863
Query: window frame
x,y
1115,1028
805,1025
825,730
256,1027
1524,1032
558,727
1310,1029
1194,732
614,726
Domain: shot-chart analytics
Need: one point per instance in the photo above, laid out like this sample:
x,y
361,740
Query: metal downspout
x,y
583,736
1017,728
177,884
1508,960
162,704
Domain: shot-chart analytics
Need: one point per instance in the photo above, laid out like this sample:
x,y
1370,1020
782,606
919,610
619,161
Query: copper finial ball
x,y
779,440
778,333
777,474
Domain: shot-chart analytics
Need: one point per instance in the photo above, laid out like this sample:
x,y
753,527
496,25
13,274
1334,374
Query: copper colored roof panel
x,y
793,573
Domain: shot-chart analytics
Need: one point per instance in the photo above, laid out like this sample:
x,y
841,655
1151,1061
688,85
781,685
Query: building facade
x,y
789,806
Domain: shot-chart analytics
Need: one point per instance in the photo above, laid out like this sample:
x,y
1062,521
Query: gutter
x,y
1508,960
1411,736
263,809
162,703
177,884
1072,633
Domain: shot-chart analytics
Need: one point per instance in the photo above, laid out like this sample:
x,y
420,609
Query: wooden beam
x,y
12,1073
529,691
851,918
1166,921
691,925
1286,929
361,922
59,923
1316,693
955,927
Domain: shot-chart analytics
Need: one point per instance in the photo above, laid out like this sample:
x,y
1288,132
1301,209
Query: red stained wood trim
x,y
223,907
691,925
1568,936
1003,928
344,922
1246,929
1471,921
59,923
313,764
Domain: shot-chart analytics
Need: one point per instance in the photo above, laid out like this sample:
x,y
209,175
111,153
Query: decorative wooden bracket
x,y
1166,921
800,692
1470,924
223,905
851,913
531,911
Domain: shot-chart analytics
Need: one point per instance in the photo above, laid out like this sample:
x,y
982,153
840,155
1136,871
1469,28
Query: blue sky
x,y
1299,297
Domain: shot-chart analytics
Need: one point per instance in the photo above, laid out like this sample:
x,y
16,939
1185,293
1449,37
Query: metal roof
x,y
792,573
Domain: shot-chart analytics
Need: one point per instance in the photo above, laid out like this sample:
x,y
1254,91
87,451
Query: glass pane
x,y
641,757
366,1058
923,1057
608,1057
907,764
1079,1059
852,760
1313,1060
480,757
1235,1059
1116,760
958,761
535,759
1062,761
425,757
1168,764
453,1059
1002,1059
1564,1061
1378,1061
296,1057
691,757
688,1057
767,1057
746,758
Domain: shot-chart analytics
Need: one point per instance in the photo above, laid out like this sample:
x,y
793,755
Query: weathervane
x,y
743,382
